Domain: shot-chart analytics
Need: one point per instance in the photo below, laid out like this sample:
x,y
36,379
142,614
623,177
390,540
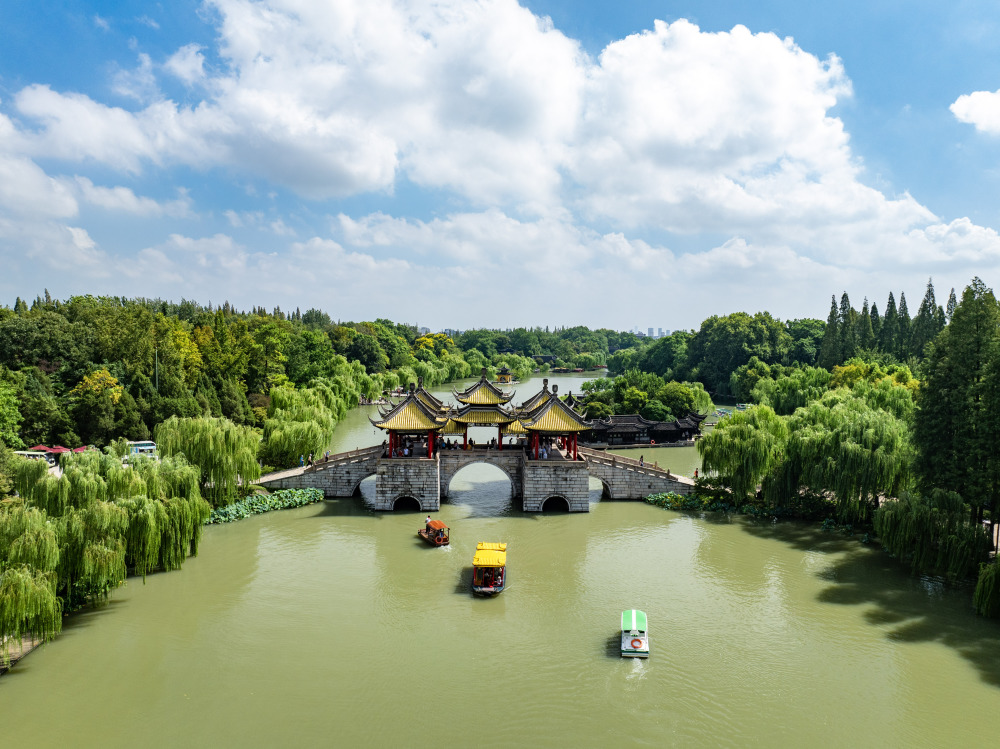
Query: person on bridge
x,y
302,460
641,463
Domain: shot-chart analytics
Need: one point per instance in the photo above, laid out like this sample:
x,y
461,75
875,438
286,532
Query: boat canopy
x,y
633,619
437,525
490,555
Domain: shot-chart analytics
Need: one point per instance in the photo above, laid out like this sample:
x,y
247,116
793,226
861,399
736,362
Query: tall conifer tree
x,y
829,350
848,323
905,329
957,424
865,335
890,327
926,325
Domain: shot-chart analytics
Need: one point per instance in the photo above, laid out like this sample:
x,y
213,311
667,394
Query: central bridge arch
x,y
510,463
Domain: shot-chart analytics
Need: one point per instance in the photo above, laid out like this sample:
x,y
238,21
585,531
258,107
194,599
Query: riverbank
x,y
15,654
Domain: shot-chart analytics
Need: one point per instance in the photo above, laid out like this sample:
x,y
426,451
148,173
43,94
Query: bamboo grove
x,y
68,541
913,461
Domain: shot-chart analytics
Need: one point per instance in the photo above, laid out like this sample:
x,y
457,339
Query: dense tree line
x,y
911,458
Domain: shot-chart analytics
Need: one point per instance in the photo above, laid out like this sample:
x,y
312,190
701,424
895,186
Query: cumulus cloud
x,y
541,159
981,109
187,63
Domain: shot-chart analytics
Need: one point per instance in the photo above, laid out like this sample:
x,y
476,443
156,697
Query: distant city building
x,y
650,332
423,331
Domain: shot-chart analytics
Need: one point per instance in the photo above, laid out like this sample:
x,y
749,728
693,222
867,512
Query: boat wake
x,y
638,669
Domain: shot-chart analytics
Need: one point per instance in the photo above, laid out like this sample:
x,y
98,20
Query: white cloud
x,y
187,63
124,200
139,83
101,23
543,162
981,109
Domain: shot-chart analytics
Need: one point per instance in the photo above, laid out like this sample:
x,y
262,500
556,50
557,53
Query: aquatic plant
x,y
260,503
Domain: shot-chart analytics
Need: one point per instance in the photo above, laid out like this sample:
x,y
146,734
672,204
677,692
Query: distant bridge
x,y
535,482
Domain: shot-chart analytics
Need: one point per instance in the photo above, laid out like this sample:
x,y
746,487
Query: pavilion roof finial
x,y
482,373
555,390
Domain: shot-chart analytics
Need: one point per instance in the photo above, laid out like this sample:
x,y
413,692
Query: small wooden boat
x,y
435,533
635,638
489,568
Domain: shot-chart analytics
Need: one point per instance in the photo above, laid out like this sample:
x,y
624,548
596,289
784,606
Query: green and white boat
x,y
635,638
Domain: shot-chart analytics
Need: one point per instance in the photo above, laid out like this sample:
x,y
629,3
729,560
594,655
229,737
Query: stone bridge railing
x,y
337,477
626,478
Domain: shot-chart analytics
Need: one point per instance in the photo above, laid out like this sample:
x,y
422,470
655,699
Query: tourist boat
x,y
489,568
635,639
435,533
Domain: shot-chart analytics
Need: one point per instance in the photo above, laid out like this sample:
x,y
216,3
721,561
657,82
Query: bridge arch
x,y
606,490
555,503
406,503
356,490
514,480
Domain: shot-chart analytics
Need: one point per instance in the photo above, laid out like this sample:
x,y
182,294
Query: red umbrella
x,y
43,448
59,449
80,449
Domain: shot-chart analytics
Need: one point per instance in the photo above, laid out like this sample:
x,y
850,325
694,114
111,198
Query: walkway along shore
x,y
17,653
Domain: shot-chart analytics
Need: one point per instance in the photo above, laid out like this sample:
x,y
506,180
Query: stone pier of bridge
x,y
534,482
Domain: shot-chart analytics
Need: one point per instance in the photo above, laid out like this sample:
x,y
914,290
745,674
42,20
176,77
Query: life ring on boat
x,y
652,442
636,643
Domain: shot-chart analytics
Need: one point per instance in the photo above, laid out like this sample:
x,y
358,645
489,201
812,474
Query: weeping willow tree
x,y
745,448
987,596
842,447
28,607
225,453
793,390
29,556
933,533
300,422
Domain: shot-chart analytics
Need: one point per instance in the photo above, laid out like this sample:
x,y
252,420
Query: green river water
x,y
331,625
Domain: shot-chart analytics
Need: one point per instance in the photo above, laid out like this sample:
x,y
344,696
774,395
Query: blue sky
x,y
464,164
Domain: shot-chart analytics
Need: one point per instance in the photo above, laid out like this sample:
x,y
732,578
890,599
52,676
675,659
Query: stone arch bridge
x,y
534,481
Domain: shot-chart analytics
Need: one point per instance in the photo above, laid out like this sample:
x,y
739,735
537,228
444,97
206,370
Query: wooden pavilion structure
x,y
412,416
544,415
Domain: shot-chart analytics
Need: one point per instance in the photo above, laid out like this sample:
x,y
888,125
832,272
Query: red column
x,y
465,439
430,444
499,438
576,446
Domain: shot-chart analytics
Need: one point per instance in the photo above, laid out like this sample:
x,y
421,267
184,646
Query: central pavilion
x,y
544,419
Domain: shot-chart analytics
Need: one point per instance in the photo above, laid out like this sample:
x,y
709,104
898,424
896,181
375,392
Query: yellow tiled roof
x,y
408,416
555,416
453,427
515,428
482,416
483,393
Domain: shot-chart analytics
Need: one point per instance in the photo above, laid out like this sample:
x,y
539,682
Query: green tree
x,y
723,344
225,454
955,426
829,352
745,448
928,322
